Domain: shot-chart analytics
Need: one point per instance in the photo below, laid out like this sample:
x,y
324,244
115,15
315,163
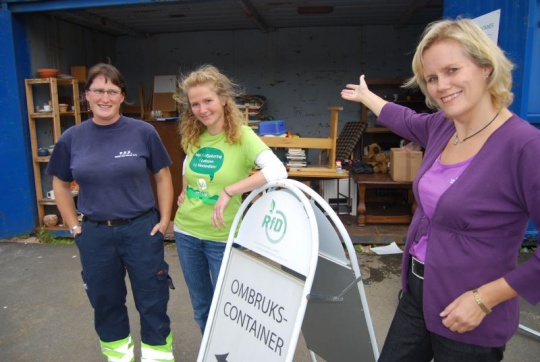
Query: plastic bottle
x,y
339,169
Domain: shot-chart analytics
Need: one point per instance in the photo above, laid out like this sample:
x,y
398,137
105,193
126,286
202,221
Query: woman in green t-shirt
x,y
220,152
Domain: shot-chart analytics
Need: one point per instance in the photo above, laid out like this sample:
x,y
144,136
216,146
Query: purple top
x,y
479,223
431,186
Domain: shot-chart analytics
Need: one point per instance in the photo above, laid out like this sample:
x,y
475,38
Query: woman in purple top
x,y
476,190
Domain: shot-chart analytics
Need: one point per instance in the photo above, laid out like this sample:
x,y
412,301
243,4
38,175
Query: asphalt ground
x,y
45,315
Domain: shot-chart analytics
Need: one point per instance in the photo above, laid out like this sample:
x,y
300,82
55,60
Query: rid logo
x,y
274,224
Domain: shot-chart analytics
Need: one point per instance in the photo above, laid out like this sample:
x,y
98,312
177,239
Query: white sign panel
x,y
277,227
490,24
164,84
255,314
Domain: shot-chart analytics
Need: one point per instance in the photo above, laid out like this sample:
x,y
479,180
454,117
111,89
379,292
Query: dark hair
x,y
110,72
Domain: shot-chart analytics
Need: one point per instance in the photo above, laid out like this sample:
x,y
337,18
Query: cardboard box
x,y
164,102
164,88
404,165
79,72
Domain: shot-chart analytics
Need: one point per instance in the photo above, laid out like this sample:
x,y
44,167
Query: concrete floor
x,y
45,315
370,234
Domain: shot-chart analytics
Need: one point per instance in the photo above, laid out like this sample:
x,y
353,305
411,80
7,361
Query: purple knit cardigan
x,y
479,223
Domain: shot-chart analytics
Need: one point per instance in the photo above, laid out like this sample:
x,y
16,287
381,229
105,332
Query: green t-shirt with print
x,y
210,168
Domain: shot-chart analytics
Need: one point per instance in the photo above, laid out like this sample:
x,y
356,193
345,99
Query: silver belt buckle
x,y
414,261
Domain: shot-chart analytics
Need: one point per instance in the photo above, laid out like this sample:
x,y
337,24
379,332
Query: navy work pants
x,y
107,252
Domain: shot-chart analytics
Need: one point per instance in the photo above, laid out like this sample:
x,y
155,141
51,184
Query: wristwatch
x,y
72,230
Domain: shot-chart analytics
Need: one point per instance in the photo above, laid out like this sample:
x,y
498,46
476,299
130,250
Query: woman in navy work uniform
x,y
109,156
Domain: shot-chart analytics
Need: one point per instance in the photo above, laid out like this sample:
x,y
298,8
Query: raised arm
x,y
360,93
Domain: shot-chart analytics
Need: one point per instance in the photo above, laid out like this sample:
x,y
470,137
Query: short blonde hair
x,y
190,128
476,45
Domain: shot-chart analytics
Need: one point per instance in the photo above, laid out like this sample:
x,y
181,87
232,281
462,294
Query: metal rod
x,y
331,298
532,331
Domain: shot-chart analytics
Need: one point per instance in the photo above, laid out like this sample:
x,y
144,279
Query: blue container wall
x,y
25,41
533,104
517,30
519,37
533,114
17,201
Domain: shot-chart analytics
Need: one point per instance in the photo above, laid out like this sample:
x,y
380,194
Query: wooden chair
x,y
328,144
347,140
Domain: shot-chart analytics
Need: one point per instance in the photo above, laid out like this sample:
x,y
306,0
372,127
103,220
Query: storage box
x,y
272,127
79,72
404,164
164,102
164,88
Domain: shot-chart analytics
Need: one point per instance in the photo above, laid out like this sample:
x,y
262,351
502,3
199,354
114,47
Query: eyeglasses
x,y
110,92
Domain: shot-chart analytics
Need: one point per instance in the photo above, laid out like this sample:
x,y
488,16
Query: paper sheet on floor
x,y
388,249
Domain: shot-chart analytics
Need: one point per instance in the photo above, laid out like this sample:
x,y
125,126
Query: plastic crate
x,y
272,127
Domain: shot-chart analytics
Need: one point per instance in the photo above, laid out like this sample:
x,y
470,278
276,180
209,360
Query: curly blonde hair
x,y
476,45
190,128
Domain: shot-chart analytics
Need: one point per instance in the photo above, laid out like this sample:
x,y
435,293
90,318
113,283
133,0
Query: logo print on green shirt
x,y
207,161
191,193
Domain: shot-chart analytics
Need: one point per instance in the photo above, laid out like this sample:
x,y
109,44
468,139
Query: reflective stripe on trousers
x,y
118,351
122,351
161,353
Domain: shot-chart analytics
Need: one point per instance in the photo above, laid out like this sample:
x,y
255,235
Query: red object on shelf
x,y
47,73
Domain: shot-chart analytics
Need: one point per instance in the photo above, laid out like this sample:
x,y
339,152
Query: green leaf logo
x,y
274,224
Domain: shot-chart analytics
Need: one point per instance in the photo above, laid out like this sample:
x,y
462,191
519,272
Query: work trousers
x,y
107,252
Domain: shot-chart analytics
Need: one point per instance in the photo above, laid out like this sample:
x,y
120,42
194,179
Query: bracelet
x,y
225,191
480,302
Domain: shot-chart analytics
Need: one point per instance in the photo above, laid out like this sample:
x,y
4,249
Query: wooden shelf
x,y
377,130
54,122
44,159
381,135
47,201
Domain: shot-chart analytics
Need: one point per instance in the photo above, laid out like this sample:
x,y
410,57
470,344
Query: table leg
x,y
361,205
337,201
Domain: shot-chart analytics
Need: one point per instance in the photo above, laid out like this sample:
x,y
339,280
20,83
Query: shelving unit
x,y
46,128
380,199
387,89
252,106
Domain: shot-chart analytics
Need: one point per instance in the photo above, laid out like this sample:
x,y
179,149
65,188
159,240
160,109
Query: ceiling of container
x,y
154,17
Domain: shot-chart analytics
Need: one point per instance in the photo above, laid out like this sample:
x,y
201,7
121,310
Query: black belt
x,y
417,268
117,222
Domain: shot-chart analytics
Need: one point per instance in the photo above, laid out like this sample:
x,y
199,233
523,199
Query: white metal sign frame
x,y
278,222
217,310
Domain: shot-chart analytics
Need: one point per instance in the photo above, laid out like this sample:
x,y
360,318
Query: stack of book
x,y
296,158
